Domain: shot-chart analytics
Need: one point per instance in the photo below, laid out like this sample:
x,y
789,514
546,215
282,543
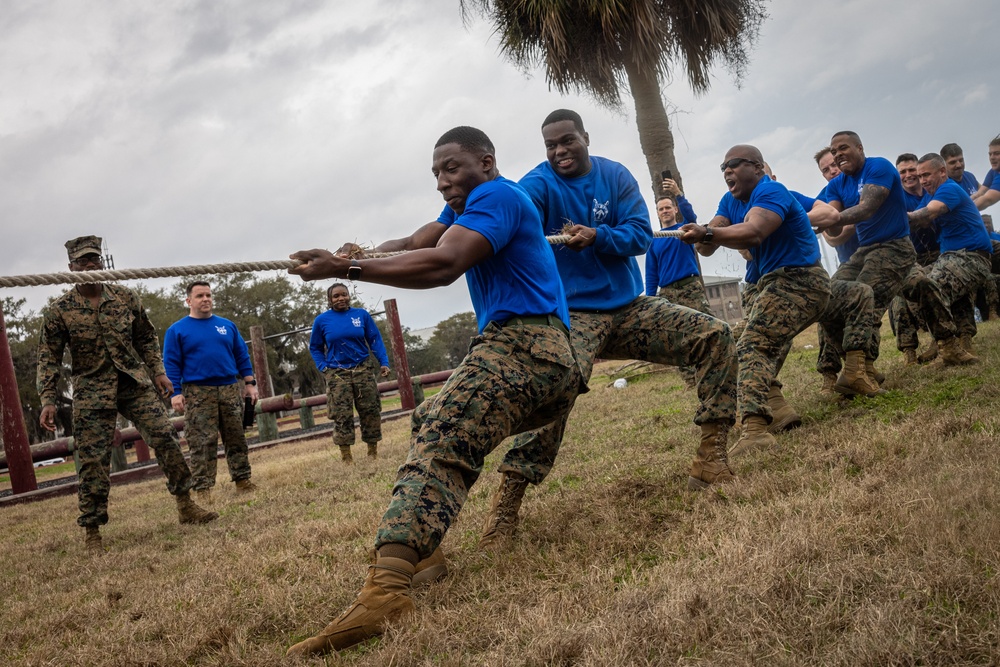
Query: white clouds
x,y
206,131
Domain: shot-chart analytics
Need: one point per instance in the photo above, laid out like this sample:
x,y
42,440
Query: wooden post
x,y
399,355
267,422
306,419
119,461
141,450
14,435
418,391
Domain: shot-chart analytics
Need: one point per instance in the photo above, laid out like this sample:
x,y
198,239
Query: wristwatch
x,y
709,235
251,382
354,270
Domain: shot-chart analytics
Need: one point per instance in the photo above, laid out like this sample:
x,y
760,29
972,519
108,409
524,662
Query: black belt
x,y
537,320
983,253
677,284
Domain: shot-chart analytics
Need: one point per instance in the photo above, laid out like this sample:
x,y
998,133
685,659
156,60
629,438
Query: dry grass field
x,y
870,537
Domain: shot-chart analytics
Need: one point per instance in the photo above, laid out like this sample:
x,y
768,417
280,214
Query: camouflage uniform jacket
x,y
117,336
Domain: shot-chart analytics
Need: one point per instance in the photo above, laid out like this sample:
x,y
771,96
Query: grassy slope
x,y
870,538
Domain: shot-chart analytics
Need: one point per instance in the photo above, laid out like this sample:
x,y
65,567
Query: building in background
x,y
723,294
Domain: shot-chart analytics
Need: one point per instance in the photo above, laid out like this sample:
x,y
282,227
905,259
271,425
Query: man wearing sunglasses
x,y
113,349
760,215
869,194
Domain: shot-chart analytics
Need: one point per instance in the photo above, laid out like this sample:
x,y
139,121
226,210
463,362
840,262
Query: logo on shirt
x,y
221,330
861,186
600,210
356,321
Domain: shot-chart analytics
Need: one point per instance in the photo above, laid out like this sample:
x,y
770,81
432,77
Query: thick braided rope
x,y
197,269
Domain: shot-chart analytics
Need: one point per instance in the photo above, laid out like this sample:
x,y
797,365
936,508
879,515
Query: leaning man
x,y
760,215
112,344
204,354
520,372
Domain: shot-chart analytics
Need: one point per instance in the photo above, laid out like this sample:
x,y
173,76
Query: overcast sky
x,y
203,132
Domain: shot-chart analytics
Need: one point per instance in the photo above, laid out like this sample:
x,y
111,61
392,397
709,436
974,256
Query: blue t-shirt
x,y
889,222
969,183
844,250
686,211
605,275
207,351
792,244
993,235
521,278
669,260
925,239
991,181
961,228
342,339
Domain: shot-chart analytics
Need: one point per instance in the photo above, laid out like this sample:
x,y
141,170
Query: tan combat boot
x,y
431,569
877,377
373,450
952,353
930,354
854,378
93,541
245,485
189,512
711,463
383,600
345,454
502,520
784,417
909,356
966,343
753,437
829,382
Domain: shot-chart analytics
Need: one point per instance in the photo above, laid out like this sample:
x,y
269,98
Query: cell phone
x,y
249,412
666,173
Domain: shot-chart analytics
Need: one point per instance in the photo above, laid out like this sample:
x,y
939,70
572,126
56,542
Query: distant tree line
x,y
275,303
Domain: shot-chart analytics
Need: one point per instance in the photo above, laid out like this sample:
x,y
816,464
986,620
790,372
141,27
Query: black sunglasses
x,y
89,260
735,162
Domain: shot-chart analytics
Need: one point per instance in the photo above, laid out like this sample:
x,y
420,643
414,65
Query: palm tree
x,y
596,46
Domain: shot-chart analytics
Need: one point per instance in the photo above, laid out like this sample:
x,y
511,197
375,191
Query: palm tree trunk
x,y
655,137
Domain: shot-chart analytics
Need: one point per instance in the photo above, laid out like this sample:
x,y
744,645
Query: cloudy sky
x,y
203,132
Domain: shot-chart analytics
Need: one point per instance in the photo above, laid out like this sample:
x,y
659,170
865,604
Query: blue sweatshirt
x,y
207,351
342,339
604,276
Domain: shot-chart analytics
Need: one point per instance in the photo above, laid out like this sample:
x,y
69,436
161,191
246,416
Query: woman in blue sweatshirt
x,y
341,342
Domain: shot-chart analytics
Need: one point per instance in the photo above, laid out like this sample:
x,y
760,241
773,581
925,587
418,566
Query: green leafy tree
x,y
23,330
600,46
163,307
453,336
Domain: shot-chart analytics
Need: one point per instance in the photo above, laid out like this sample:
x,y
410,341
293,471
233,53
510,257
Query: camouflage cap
x,y
83,245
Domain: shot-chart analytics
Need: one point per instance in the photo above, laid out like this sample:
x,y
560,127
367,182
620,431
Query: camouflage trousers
x,y
947,295
845,324
747,297
93,437
788,300
208,413
649,329
883,267
904,311
349,388
688,292
515,378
